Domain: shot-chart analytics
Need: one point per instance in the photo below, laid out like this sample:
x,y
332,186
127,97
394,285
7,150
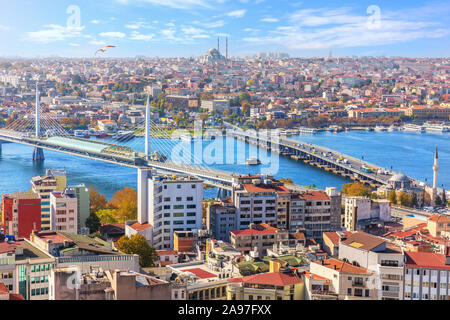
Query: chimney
x,y
334,267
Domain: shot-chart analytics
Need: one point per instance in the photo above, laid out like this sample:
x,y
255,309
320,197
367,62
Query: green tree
x,y
356,189
107,216
137,244
93,223
404,199
124,203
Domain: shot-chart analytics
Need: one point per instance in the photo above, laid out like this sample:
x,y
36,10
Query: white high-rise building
x,y
64,211
174,203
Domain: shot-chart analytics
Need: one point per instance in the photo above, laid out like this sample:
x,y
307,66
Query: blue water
x,y
410,153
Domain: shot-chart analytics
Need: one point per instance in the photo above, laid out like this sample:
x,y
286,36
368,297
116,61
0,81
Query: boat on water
x,y
252,161
369,129
380,128
101,135
305,130
413,128
79,133
392,128
436,128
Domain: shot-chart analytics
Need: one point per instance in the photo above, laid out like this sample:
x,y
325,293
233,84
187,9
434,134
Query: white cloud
x,y
176,4
324,28
237,13
139,25
97,43
4,28
211,25
119,35
269,20
95,21
74,44
135,35
54,33
192,30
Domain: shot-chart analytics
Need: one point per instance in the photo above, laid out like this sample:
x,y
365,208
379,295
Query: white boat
x,y
79,133
252,161
307,130
392,128
413,128
436,128
380,128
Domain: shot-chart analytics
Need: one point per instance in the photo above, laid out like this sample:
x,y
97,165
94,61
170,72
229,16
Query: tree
x,y
137,244
287,180
356,189
124,203
93,223
98,200
107,216
404,199
392,197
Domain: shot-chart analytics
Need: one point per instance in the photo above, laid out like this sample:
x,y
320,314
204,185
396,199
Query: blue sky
x,y
175,28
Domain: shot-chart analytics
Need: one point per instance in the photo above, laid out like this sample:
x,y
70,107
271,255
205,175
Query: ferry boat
x,y
436,128
413,128
307,130
252,161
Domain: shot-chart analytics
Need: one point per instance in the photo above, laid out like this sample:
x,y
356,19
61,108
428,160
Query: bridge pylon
x,y
38,153
147,129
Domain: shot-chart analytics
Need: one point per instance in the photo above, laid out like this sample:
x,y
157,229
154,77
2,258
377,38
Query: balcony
x,y
358,284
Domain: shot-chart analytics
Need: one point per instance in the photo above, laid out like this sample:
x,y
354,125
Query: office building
x,y
64,211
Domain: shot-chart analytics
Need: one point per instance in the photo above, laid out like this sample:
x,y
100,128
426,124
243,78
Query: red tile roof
x,y
426,260
140,227
166,252
334,236
343,266
200,273
248,232
315,196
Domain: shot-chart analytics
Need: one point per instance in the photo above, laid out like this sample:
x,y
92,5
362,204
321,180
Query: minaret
x,y
147,128
218,44
435,170
227,49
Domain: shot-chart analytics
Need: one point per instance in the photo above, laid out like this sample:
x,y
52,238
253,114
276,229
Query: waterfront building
x,y
439,225
63,211
21,214
215,105
427,276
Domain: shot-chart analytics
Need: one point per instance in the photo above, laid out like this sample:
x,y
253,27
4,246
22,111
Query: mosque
x,y
214,54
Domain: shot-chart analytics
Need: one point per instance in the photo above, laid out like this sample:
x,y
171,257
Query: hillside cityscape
x,y
262,176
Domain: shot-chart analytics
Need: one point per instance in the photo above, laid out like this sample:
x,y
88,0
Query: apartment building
x,y
174,204
256,198
83,205
314,212
258,238
361,211
427,276
44,186
280,283
221,218
384,259
215,105
438,225
347,281
64,211
21,214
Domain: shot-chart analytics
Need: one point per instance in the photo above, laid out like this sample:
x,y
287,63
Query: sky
x,y
185,28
